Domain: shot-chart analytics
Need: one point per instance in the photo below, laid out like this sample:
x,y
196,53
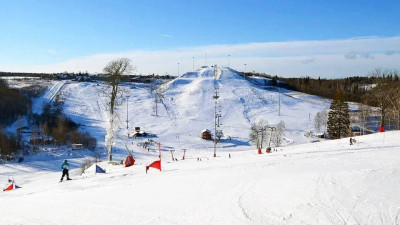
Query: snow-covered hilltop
x,y
186,107
329,182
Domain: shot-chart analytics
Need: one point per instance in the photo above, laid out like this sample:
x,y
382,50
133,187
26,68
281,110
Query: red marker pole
x,y
159,150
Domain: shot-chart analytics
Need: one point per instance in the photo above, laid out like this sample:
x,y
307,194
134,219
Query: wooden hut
x,y
206,134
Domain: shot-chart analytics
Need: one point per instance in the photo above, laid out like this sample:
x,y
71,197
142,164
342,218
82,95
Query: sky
x,y
286,38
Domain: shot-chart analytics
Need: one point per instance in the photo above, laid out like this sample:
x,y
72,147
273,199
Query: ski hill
x,y
186,107
327,182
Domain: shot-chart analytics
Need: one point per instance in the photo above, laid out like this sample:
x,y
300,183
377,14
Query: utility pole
x,y
279,99
127,110
156,98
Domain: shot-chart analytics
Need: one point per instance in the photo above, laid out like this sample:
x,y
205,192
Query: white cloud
x,y
330,58
166,36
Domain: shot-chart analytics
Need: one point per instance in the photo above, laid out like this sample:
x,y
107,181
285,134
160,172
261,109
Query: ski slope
x,y
329,182
48,96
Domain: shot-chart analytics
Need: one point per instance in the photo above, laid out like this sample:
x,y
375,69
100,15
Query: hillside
x,y
187,108
328,182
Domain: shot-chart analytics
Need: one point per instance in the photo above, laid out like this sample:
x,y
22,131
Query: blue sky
x,y
39,35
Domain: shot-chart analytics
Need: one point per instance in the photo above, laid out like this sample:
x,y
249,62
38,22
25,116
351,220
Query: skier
x,y
64,167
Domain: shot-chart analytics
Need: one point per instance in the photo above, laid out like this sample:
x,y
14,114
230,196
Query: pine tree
x,y
338,117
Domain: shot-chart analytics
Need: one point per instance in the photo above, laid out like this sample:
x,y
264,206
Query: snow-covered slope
x,y
328,182
187,108
48,96
321,183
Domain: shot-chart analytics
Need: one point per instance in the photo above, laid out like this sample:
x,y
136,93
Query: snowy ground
x,y
326,182
320,183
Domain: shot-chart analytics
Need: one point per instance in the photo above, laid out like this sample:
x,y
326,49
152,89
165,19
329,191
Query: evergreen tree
x,y
338,117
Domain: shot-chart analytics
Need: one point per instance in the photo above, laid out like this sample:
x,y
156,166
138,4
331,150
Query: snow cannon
x,y
259,151
381,129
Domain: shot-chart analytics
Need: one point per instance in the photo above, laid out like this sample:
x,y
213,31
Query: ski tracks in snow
x,y
340,201
47,97
246,212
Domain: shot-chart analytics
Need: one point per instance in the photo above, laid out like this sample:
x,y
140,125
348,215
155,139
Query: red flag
x,y
9,188
155,164
129,161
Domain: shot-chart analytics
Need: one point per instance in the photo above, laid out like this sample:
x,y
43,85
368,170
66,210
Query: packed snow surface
x,y
329,182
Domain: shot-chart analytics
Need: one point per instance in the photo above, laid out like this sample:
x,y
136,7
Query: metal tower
x,y
217,132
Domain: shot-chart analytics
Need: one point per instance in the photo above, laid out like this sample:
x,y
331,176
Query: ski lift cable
x,y
130,153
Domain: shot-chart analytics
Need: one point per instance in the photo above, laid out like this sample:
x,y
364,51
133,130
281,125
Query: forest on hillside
x,y
51,127
359,89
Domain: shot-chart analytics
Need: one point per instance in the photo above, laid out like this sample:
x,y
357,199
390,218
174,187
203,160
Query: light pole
x,y
127,111
279,96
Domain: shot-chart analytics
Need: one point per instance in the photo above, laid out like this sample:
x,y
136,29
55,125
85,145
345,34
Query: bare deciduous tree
x,y
383,94
258,133
115,70
365,112
320,120
279,133
395,104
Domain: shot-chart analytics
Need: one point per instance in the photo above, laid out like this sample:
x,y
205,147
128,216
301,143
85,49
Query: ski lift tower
x,y
217,116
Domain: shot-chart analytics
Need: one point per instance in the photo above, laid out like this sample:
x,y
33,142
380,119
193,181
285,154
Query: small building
x,y
206,134
320,135
138,133
76,146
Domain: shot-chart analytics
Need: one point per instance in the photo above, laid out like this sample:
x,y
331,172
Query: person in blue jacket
x,y
64,167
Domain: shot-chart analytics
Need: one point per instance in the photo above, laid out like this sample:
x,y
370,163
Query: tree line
x,y
13,104
356,88
52,127
380,88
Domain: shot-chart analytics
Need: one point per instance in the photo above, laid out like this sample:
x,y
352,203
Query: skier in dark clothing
x,y
64,167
